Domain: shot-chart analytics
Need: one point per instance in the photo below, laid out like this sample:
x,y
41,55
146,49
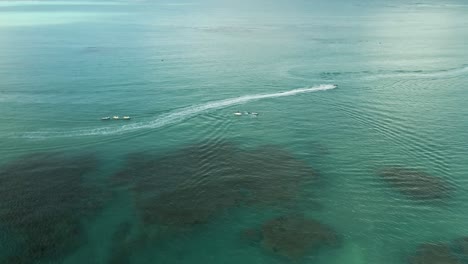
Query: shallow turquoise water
x,y
181,70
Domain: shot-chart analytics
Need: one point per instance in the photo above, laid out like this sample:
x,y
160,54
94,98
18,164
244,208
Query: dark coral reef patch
x,y
44,200
293,236
121,248
194,184
434,254
416,184
461,245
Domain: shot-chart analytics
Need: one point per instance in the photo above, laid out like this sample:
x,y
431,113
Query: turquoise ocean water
x,y
358,153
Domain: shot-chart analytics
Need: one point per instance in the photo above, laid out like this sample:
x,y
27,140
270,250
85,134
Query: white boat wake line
x,y
174,117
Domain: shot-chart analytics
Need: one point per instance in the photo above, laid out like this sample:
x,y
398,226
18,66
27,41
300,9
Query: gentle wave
x,y
422,74
174,117
304,73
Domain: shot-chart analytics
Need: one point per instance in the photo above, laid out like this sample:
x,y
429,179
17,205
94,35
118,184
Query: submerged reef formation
x,y
44,200
461,244
121,244
415,184
434,254
273,176
293,236
192,185
251,235
190,205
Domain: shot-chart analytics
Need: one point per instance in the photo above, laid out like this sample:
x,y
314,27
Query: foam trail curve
x,y
174,117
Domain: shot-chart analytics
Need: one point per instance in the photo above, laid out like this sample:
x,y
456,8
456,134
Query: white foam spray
x,y
173,117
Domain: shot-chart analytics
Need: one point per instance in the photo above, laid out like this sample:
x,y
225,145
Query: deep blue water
x,y
357,155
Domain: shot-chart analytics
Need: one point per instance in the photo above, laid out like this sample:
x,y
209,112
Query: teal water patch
x,y
33,19
379,162
58,3
350,253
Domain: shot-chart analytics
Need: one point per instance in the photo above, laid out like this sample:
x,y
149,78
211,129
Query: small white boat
x,y
237,113
126,118
116,117
105,118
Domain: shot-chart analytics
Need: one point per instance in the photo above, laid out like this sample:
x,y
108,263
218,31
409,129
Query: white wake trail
x,y
174,117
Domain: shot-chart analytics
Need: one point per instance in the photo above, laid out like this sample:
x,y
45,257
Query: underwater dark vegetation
x,y
44,201
121,248
47,198
461,245
434,254
415,184
193,185
293,236
451,252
